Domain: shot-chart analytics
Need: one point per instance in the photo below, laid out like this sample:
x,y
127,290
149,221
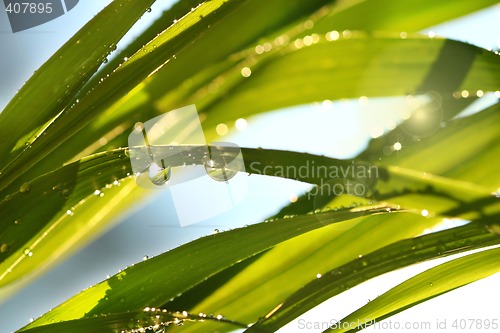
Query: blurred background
x,y
153,227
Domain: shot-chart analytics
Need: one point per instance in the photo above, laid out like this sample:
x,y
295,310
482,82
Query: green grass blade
x,y
53,85
348,68
392,257
427,285
387,15
157,280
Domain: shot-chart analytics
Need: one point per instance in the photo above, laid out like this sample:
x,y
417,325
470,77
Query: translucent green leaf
x,y
392,257
159,279
427,285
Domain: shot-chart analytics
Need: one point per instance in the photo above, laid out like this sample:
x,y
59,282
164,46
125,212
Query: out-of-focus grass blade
x,y
464,150
427,285
322,68
55,83
402,16
394,256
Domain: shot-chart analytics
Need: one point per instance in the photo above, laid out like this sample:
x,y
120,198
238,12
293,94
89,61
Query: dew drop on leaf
x,y
160,175
218,170
3,248
25,188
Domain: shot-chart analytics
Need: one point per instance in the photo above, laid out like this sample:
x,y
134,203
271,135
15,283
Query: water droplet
x,y
222,129
69,212
318,276
138,127
28,252
259,49
145,258
4,248
25,188
97,192
105,60
149,10
246,72
66,193
241,124
425,213
216,231
332,35
218,170
308,40
347,34
160,175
